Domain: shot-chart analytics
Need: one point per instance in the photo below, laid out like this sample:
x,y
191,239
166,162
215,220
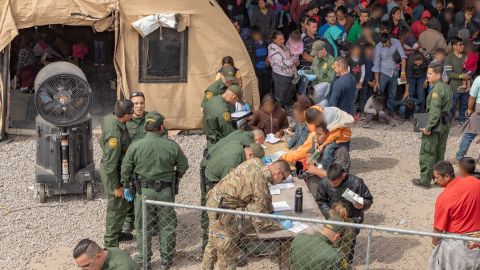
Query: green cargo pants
x,y
432,151
166,219
130,219
116,212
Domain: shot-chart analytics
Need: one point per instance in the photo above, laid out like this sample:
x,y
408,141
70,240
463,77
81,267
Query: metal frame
x,y
5,82
369,228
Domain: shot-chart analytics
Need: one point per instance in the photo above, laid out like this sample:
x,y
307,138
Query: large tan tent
x,y
207,36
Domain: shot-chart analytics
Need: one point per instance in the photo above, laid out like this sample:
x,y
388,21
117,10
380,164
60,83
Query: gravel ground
x,y
41,236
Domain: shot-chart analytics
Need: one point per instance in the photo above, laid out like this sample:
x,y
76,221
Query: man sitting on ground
x,y
457,210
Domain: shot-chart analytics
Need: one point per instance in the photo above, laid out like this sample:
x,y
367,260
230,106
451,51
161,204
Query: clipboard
x,y
420,121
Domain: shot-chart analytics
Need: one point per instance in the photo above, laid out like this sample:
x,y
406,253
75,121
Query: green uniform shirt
x,y
154,158
454,67
215,89
114,142
217,120
136,127
238,136
312,252
439,102
119,260
220,164
322,68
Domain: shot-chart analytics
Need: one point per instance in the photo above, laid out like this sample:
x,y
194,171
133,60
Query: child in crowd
x,y
439,57
369,80
79,50
416,76
270,118
470,64
312,11
407,107
466,166
299,132
295,46
375,108
258,50
227,61
357,68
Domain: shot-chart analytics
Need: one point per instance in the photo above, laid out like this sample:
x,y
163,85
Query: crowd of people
x,y
327,65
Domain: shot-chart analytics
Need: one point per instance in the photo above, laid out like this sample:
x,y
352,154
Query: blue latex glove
x,y
246,107
127,195
266,160
311,77
300,72
286,224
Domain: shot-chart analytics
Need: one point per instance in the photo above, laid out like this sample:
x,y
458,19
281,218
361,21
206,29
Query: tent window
x,y
164,60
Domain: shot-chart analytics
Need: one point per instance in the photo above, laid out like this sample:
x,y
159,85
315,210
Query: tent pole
x,y
5,78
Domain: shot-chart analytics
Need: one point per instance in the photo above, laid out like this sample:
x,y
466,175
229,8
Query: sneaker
x,y
418,183
102,64
95,64
24,90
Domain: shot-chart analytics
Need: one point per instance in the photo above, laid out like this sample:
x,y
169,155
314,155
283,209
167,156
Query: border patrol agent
x,y
216,115
136,130
244,187
311,252
435,133
219,165
114,142
219,86
159,163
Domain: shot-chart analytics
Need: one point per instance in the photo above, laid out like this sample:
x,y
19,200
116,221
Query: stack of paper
x,y
281,206
275,156
298,227
240,114
271,138
284,186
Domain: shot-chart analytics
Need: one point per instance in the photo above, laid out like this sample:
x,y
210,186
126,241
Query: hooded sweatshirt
x,y
418,27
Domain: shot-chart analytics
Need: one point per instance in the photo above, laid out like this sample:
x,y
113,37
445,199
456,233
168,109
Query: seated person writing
x,y
270,118
299,132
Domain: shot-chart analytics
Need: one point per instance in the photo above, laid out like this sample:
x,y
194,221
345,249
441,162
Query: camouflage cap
x,y
317,46
228,73
335,228
257,150
236,89
154,120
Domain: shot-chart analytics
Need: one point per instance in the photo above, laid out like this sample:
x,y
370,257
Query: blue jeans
x,y
302,86
388,87
99,48
403,111
461,98
416,87
329,153
365,94
467,139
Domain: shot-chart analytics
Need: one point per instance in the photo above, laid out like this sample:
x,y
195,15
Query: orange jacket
x,y
300,153
338,135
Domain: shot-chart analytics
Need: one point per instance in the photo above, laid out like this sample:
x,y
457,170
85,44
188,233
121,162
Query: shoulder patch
x,y
208,95
226,116
434,94
325,66
112,143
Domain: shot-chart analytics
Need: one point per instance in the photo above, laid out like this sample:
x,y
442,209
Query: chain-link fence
x,y
246,240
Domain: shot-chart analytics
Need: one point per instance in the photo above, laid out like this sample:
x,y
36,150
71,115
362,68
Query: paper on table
x,y
284,186
239,114
274,190
281,206
271,138
352,197
275,156
298,227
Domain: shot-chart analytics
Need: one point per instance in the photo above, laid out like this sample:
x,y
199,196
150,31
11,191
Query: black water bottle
x,y
298,200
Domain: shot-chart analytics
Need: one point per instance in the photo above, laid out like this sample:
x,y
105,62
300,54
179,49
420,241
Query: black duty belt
x,y
157,185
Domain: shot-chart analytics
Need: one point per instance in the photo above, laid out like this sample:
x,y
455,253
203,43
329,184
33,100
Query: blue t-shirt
x,y
343,93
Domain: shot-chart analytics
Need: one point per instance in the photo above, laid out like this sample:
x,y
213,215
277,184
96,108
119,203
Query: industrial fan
x,y
64,150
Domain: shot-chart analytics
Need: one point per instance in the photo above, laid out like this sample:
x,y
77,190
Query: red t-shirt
x,y
457,209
